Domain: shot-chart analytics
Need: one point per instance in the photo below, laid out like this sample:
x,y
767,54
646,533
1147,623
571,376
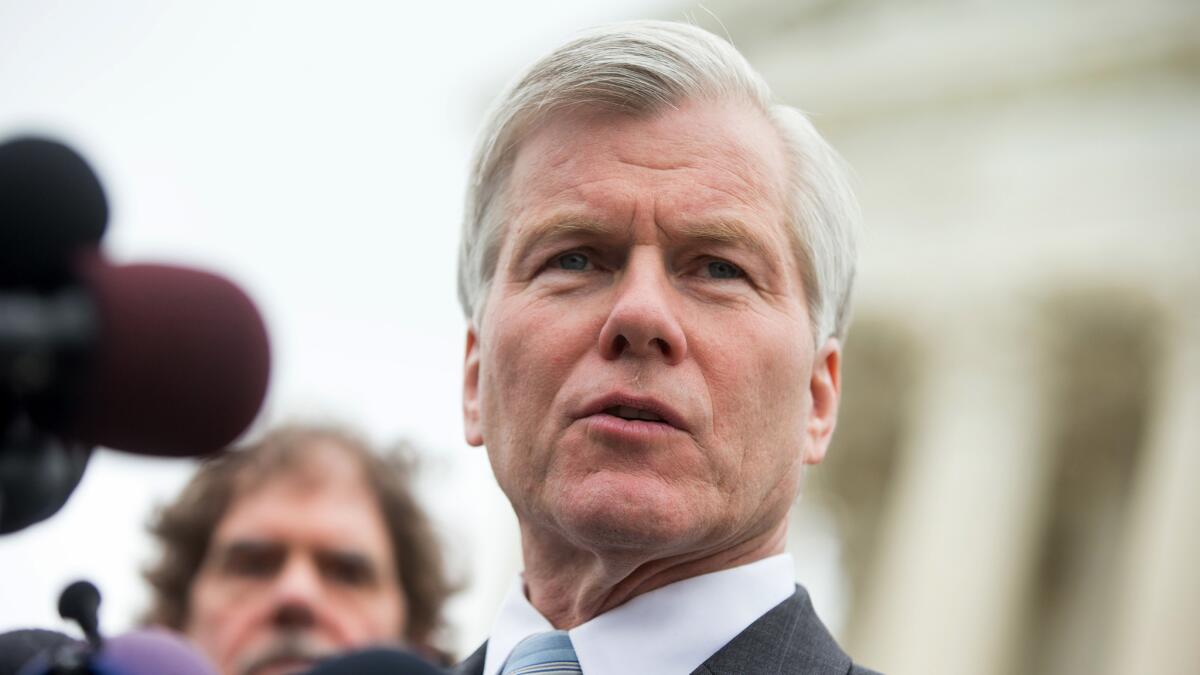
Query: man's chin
x,y
622,512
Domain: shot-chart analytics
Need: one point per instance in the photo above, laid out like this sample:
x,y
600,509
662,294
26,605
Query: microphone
x,y
377,661
149,359
80,602
51,204
179,364
150,652
144,652
19,647
38,472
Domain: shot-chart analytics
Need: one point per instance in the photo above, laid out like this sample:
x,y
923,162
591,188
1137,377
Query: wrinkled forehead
x,y
667,136
735,183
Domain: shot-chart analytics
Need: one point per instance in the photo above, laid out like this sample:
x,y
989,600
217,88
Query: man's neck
x,y
570,586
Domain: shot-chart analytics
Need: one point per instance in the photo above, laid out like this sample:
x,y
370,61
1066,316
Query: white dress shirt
x,y
667,631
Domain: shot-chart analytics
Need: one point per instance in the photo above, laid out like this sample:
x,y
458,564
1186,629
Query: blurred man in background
x,y
302,545
656,267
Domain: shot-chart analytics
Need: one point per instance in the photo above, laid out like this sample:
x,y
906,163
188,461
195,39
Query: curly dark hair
x,y
185,526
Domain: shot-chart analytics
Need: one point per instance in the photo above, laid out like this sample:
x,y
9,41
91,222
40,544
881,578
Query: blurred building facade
x,y
1015,482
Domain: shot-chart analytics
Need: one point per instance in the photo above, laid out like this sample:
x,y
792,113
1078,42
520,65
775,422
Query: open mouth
x,y
622,414
630,413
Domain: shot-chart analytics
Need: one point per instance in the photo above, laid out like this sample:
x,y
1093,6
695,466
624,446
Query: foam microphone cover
x,y
180,365
51,204
19,647
150,652
378,661
144,652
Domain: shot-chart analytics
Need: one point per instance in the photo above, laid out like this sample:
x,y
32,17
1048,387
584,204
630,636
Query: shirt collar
x,y
643,635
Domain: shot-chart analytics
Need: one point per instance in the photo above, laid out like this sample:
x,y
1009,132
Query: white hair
x,y
642,67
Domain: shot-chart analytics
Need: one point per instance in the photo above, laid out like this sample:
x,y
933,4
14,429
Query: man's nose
x,y
296,594
644,320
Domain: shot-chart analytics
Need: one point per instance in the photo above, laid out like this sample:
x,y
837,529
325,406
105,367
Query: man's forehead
x,y
304,504
317,462
693,134
731,156
571,171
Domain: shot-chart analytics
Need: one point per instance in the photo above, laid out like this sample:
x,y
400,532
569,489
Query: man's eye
x,y
574,261
721,269
349,570
254,565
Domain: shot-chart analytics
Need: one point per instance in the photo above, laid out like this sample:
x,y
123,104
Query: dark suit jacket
x,y
788,640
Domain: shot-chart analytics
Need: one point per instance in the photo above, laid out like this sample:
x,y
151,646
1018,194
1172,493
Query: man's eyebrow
x,y
734,233
237,552
558,227
244,546
349,560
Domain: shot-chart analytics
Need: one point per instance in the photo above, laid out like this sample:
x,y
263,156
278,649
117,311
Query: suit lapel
x,y
473,664
788,640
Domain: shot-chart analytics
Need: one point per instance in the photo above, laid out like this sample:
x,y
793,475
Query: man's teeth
x,y
626,412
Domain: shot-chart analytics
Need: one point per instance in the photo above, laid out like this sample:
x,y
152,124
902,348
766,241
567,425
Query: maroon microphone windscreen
x,y
181,363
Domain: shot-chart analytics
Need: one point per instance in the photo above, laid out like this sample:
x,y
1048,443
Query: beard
x,y
285,647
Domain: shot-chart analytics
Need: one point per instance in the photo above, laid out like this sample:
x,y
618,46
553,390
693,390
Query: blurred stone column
x,y
1158,603
961,532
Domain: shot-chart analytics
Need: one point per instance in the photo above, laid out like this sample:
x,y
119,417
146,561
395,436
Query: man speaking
x,y
656,265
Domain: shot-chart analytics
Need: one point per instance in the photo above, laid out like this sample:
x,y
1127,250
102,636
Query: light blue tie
x,y
545,654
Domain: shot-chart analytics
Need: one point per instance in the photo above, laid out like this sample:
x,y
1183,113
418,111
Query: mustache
x,y
292,646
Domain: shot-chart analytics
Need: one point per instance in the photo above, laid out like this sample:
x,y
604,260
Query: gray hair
x,y
642,67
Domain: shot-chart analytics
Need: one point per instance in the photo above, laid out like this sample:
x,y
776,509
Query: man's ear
x,y
825,391
472,423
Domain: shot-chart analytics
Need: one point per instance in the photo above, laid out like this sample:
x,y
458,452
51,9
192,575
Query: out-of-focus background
x,y
1015,483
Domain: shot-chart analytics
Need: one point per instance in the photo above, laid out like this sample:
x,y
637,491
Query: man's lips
x,y
634,409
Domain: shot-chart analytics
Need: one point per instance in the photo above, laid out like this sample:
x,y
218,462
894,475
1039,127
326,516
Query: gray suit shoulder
x,y
788,640
472,665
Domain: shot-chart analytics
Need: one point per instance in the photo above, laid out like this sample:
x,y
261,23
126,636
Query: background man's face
x,y
647,272
300,566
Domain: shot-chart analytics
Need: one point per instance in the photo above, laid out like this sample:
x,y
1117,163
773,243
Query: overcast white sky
x,y
315,153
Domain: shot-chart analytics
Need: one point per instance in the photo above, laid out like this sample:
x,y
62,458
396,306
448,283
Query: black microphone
x,y
377,661
80,602
19,647
51,204
38,472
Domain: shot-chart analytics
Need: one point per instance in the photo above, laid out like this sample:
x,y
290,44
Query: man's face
x,y
299,567
644,375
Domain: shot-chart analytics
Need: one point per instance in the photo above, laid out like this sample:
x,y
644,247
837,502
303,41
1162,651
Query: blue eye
x,y
574,261
720,269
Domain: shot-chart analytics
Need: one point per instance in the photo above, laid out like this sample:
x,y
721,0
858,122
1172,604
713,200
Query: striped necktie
x,y
544,654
